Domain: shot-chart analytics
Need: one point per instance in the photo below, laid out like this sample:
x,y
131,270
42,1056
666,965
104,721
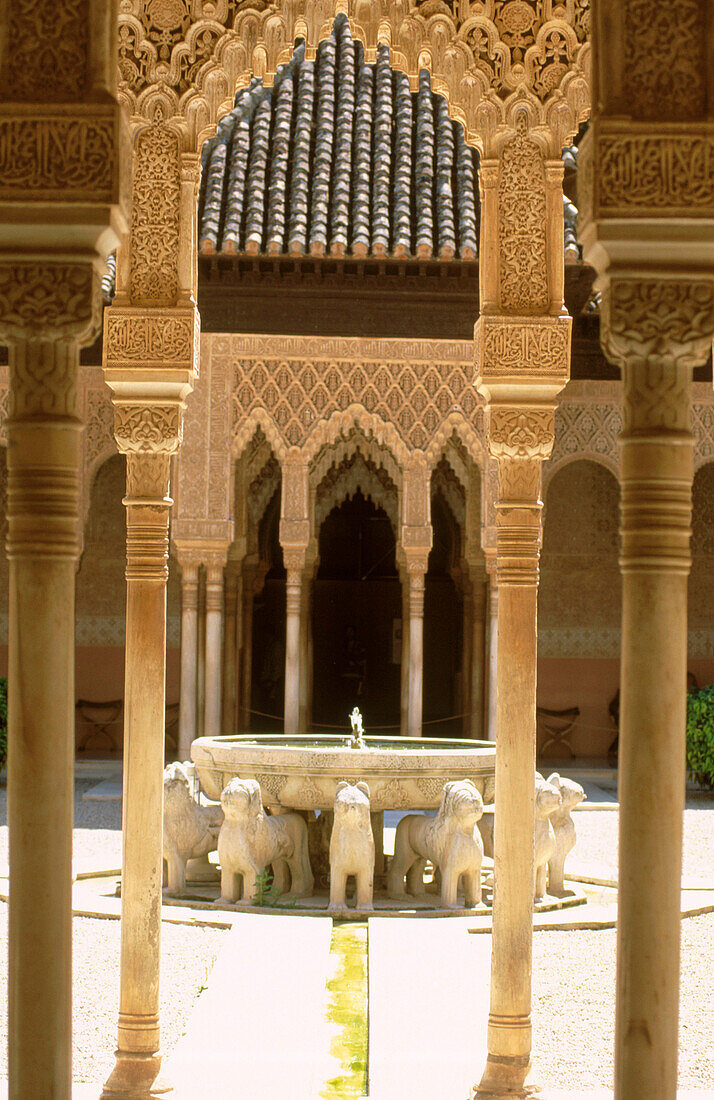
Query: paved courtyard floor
x,y
282,1005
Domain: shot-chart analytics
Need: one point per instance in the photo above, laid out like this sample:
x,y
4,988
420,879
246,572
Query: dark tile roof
x,y
338,158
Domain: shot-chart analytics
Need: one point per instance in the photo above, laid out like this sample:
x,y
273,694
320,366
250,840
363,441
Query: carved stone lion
x,y
547,801
190,830
250,841
451,841
351,846
571,794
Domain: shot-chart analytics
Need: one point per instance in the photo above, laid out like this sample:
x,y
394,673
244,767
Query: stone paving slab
x,y
428,1008
258,1029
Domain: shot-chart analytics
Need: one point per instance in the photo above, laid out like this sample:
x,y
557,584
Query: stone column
x,y
467,639
250,572
46,310
295,539
201,670
523,356
416,572
477,659
189,657
215,562
404,668
230,654
306,647
151,337
646,224
147,435
492,626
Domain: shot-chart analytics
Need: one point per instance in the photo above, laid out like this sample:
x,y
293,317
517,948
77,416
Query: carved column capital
x,y
49,300
664,322
521,431
148,428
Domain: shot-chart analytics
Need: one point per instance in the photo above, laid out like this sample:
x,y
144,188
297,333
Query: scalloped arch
x,y
200,68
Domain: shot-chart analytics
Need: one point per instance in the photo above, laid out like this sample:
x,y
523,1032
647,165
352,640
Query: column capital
x,y
45,299
528,355
663,321
520,431
140,340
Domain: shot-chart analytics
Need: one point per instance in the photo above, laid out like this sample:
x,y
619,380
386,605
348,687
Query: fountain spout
x,y
356,739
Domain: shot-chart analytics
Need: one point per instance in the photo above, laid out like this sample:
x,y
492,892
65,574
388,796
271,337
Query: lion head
x,y
351,803
571,793
461,804
177,785
547,798
241,799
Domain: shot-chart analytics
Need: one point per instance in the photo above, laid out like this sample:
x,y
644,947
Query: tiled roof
x,y
339,158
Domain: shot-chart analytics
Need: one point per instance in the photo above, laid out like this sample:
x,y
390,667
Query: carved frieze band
x,y
155,217
508,346
59,158
523,267
421,388
147,337
649,173
45,300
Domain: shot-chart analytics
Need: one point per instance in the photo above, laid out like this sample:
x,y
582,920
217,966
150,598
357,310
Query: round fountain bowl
x,y
302,773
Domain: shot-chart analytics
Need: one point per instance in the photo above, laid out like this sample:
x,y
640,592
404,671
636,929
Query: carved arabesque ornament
x,y
518,432
485,59
523,270
670,321
155,217
44,300
148,429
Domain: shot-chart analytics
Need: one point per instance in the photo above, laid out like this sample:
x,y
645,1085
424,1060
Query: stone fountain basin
x,y
302,773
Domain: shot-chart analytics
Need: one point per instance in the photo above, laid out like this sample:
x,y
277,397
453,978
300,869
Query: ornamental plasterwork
x,y
343,480
305,392
485,57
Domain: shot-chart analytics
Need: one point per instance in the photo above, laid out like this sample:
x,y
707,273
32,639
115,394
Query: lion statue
x,y
250,841
451,841
571,795
190,830
351,846
547,801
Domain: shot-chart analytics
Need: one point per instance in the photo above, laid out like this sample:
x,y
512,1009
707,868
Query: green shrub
x,y
3,721
700,735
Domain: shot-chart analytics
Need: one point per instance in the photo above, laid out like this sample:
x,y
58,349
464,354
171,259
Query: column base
x,y
135,1077
506,1079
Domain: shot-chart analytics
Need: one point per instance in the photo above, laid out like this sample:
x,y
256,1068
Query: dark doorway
x,y
356,603
443,627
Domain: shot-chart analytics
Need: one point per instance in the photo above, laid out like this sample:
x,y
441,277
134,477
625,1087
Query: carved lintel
x,y
48,300
508,348
145,338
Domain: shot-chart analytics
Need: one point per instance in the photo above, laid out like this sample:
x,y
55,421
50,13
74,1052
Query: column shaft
x,y
43,459
230,652
201,648
492,711
138,1058
416,653
467,636
189,659
292,650
656,514
306,598
247,647
477,662
213,658
404,696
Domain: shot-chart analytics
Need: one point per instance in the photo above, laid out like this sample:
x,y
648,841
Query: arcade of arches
x,y
367,255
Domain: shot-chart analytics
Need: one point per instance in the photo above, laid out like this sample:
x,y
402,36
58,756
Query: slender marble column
x,y
293,596
477,665
249,575
189,658
492,705
201,669
467,639
214,635
417,573
229,650
657,329
404,697
305,631
148,504
44,434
